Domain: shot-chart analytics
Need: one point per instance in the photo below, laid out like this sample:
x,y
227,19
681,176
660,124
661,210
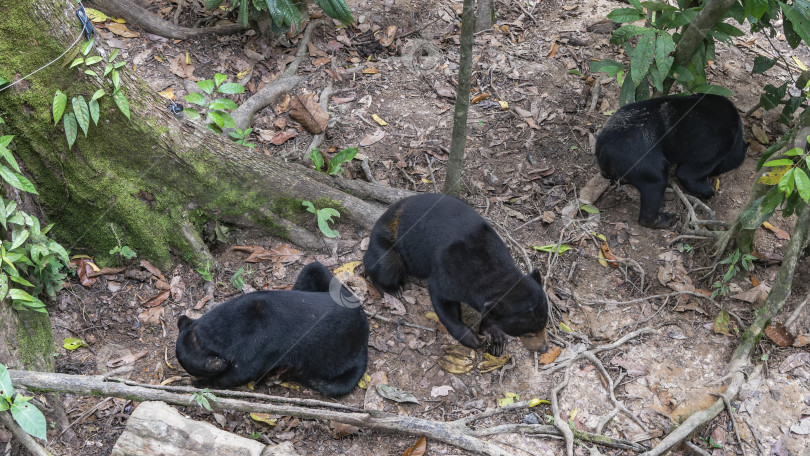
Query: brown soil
x,y
520,177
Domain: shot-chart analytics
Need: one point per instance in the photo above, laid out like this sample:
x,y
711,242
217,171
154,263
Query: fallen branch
x,y
740,359
456,433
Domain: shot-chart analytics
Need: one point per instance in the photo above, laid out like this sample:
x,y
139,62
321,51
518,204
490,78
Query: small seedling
x,y
203,397
237,281
124,252
333,166
205,272
324,217
240,136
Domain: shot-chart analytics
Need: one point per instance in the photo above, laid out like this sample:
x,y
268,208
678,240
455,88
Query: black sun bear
x,y
315,334
700,134
442,239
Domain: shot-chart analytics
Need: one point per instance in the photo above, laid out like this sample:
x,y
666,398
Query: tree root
x,y
672,295
559,421
283,84
456,433
740,359
151,23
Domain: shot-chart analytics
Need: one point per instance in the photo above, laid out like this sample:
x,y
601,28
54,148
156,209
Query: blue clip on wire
x,y
87,27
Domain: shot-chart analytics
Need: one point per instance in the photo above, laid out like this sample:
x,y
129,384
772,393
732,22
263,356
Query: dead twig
x,y
672,295
432,177
400,322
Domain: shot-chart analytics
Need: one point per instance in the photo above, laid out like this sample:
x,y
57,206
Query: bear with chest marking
x,y
315,334
700,134
442,239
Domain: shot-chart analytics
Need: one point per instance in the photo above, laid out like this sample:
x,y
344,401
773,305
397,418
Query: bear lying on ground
x,y
309,335
443,239
701,134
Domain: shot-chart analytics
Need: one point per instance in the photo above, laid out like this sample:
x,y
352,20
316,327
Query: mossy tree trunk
x,y
144,182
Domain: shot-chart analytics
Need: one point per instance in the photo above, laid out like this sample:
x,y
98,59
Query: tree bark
x,y
458,142
139,181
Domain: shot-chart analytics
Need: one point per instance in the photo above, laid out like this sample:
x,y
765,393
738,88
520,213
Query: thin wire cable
x,y
44,66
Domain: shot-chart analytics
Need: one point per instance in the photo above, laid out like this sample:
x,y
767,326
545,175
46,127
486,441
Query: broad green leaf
x,y
728,29
3,291
191,113
57,248
800,22
71,343
624,15
627,94
212,4
773,176
6,388
552,248
122,102
770,99
82,113
18,238
802,184
59,103
3,217
231,87
196,98
284,13
779,162
16,180
93,60
30,419
713,89
642,56
20,295
71,129
589,209
76,61
310,207
223,103
117,65
219,78
98,94
206,85
9,156
658,6
5,141
625,32
337,9
317,159
107,69
88,46
237,281
90,72
113,55
793,39
324,217
227,119
763,64
217,118
664,46
786,183
116,80
755,8
94,110
610,67
345,155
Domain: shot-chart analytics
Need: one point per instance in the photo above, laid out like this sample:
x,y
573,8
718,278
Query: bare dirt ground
x,y
519,174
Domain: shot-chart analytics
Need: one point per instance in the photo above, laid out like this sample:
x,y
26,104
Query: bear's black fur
x,y
305,334
443,239
701,134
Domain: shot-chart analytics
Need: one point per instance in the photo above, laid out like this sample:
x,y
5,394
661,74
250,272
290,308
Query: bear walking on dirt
x,y
700,134
442,239
315,334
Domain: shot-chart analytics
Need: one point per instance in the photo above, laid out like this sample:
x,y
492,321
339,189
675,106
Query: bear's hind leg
x,y
695,181
652,197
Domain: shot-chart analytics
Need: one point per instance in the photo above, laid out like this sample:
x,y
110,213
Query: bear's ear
x,y
537,277
183,322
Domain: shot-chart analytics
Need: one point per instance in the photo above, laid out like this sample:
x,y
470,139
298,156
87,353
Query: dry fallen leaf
x,y
604,251
306,111
178,66
151,268
793,361
157,300
201,303
778,232
479,97
372,138
457,359
549,356
379,120
284,106
106,271
121,30
779,334
151,316
370,70
176,287
282,137
490,362
802,340
418,449
167,94
388,36
553,51
264,418
85,268
395,304
395,394
321,61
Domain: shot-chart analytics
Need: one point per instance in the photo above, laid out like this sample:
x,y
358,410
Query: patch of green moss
x,y
35,340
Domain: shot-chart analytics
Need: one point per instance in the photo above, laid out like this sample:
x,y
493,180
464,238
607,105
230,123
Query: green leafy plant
x,y
30,419
82,110
333,167
206,272
684,247
552,248
124,251
240,137
216,111
324,217
72,343
203,397
285,13
237,280
28,256
734,261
